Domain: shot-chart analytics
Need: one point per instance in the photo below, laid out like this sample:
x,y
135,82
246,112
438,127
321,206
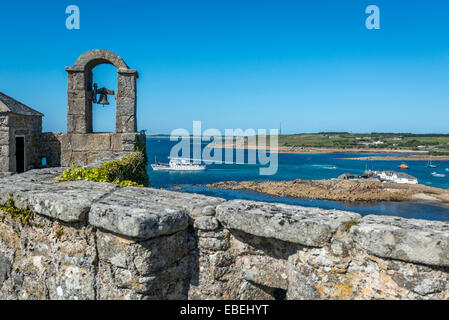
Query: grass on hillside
x,y
432,143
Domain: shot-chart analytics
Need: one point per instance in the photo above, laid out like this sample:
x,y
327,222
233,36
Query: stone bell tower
x,y
80,87
81,146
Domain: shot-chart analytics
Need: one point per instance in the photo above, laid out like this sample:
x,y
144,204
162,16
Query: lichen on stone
x,y
348,225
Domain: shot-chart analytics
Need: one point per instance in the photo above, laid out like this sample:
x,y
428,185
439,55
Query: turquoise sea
x,y
300,166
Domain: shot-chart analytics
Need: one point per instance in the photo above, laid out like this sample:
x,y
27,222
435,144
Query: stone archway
x,y
79,92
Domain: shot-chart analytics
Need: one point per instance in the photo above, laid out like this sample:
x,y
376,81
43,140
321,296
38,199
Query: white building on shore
x,y
396,177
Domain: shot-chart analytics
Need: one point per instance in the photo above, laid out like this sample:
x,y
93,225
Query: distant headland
x,y
413,146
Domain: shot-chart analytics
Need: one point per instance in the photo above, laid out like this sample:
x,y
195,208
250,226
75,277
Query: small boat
x,y
430,164
438,175
447,169
178,165
403,166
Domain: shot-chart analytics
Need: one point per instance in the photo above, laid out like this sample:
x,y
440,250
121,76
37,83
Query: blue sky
x,y
310,65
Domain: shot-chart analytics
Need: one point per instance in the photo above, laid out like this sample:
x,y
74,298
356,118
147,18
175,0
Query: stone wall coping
x,y
412,240
194,204
306,226
144,213
136,219
140,213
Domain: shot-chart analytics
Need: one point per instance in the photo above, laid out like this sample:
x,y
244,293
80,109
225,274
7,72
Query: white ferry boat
x,y
178,165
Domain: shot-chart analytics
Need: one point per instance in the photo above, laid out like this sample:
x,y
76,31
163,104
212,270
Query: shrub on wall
x,y
129,171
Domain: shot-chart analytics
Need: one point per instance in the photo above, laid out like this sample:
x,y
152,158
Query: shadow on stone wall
x,y
273,248
46,146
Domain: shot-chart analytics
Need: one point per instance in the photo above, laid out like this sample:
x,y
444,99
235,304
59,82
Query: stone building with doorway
x,y
18,124
23,146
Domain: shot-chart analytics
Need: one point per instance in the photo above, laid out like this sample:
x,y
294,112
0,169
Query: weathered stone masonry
x,y
17,121
79,92
82,146
79,146
99,241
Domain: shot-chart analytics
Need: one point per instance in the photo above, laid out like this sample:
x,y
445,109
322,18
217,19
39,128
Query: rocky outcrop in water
x,y
339,190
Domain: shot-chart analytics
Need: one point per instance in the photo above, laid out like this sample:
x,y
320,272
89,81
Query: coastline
x,y
409,155
313,150
398,158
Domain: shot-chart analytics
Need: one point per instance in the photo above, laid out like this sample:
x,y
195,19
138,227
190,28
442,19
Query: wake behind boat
x,y
178,164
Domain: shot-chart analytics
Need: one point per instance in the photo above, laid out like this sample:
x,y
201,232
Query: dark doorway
x,y
20,154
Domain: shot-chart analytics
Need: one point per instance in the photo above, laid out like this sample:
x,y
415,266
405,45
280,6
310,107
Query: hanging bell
x,y
103,99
